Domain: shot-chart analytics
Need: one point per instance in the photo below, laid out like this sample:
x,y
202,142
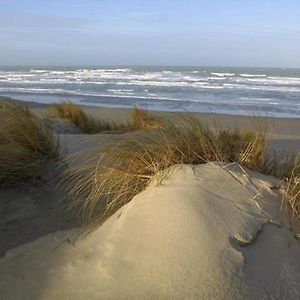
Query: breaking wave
x,y
274,92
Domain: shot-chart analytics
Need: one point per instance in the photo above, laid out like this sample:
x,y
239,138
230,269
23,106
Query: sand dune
x,y
206,232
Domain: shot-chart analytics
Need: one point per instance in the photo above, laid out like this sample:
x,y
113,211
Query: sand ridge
x,y
205,232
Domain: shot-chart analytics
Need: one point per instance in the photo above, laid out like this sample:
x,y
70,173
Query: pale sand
x,y
29,211
204,233
170,242
284,133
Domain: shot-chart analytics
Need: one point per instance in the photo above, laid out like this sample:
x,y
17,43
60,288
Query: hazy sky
x,y
140,32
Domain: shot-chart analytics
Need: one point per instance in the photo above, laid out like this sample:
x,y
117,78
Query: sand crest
x,y
206,232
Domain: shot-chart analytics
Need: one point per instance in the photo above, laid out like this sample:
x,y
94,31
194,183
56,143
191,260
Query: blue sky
x,y
166,32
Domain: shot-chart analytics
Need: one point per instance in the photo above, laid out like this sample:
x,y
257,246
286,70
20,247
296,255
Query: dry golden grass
x,y
68,110
142,119
291,199
26,144
108,178
86,123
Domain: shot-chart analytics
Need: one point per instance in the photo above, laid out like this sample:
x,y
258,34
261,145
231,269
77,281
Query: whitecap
x,y
253,75
222,74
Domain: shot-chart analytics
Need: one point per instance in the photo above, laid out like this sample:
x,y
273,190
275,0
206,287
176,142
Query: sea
x,y
236,91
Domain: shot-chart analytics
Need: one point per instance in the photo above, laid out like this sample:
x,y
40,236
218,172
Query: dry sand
x,y
29,211
205,233
198,235
284,133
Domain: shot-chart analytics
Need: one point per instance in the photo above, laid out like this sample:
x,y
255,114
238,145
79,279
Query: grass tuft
x,y
68,110
100,186
26,144
142,119
86,123
291,199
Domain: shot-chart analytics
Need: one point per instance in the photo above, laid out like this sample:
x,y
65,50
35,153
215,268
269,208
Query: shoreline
x,y
126,103
198,202
280,127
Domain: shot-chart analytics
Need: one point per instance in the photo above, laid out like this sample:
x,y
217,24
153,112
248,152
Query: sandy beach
x,y
204,232
149,150
284,136
190,237
282,132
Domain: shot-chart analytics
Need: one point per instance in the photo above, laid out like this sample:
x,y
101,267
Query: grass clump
x,y
111,176
142,119
291,199
101,186
86,123
26,144
68,110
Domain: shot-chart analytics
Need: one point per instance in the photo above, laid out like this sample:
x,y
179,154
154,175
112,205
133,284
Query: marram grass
x,y
86,123
291,198
26,144
140,119
111,176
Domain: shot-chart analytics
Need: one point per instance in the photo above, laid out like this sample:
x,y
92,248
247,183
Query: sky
x,y
252,33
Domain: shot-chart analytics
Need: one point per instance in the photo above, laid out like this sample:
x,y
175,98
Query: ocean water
x,y
241,91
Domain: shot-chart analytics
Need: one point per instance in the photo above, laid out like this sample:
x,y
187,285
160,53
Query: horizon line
x,y
140,65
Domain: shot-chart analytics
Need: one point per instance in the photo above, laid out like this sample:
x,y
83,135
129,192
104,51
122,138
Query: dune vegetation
x,y
67,110
86,123
291,199
113,175
109,177
142,119
27,141
26,144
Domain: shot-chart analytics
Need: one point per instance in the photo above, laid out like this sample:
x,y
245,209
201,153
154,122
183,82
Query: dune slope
x,y
205,233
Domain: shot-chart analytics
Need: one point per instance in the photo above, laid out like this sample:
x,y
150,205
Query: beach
x,y
149,150
284,136
205,232
284,131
